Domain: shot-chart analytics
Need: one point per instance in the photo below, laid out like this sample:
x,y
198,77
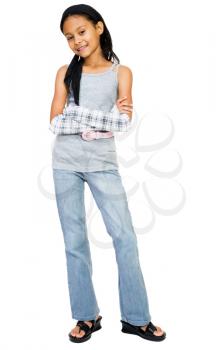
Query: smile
x,y
82,48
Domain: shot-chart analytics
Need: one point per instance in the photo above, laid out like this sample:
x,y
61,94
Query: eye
x,y
83,31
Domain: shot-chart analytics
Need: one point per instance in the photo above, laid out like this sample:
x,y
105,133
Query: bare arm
x,y
60,93
125,81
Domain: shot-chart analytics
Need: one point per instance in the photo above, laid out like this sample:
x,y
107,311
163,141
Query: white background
x,y
175,51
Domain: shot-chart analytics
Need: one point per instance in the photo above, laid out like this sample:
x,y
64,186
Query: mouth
x,y
82,48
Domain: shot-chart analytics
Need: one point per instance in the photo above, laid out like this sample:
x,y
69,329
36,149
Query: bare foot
x,y
75,332
158,332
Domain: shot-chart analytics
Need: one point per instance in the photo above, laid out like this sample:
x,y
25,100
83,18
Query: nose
x,y
77,41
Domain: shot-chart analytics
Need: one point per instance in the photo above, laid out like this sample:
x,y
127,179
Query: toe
x,y
80,334
159,331
75,331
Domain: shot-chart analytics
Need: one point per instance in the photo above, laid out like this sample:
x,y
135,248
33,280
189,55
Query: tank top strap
x,y
115,70
115,66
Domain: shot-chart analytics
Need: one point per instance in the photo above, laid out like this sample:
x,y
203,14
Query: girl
x,y
94,80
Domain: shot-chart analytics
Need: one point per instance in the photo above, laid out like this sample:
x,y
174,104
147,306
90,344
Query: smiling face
x,y
82,35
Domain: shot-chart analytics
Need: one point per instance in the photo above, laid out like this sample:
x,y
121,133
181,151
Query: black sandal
x,y
88,330
147,334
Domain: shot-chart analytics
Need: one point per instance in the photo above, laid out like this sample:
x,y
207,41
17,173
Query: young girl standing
x,y
94,79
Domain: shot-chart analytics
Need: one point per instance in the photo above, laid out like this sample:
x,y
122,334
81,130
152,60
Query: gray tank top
x,y
71,152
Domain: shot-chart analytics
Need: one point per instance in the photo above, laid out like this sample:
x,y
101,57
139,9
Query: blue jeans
x,y
109,194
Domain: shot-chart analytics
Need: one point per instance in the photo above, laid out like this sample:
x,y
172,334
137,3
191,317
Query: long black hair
x,y
74,71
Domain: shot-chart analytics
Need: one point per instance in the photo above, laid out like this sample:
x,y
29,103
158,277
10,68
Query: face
x,y
81,32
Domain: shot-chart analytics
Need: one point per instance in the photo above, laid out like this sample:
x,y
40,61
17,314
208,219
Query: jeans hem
x,y
85,318
136,322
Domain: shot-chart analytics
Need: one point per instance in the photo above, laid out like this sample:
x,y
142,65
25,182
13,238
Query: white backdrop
x,y
171,166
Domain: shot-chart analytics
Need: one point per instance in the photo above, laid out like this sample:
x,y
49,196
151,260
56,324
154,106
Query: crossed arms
x,y
75,119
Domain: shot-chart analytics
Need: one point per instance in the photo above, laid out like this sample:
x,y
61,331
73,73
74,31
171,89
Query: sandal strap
x,y
83,326
151,328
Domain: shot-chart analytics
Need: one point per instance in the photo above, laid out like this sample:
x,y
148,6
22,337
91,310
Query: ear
x,y
99,27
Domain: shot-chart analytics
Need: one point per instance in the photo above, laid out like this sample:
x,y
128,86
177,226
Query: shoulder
x,y
124,72
122,69
61,71
59,80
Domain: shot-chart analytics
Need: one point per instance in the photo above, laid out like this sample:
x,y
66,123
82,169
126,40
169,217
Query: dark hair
x,y
74,71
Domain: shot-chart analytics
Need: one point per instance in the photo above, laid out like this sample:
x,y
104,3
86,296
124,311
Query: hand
x,y
123,106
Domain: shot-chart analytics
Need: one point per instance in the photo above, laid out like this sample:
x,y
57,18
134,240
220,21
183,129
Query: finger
x,y
127,104
127,109
124,110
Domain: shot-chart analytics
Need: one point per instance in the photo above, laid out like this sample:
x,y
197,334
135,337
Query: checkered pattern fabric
x,y
76,119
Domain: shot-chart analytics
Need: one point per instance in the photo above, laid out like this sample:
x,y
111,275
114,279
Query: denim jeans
x,y
109,194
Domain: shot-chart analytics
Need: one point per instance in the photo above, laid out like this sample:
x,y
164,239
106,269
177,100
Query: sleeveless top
x,y
71,152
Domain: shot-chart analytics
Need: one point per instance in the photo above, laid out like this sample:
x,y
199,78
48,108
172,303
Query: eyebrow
x,y
77,29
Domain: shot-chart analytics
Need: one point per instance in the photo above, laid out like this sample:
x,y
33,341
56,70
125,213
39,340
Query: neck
x,y
96,59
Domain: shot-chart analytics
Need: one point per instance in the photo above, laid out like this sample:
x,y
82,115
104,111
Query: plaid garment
x,y
76,119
